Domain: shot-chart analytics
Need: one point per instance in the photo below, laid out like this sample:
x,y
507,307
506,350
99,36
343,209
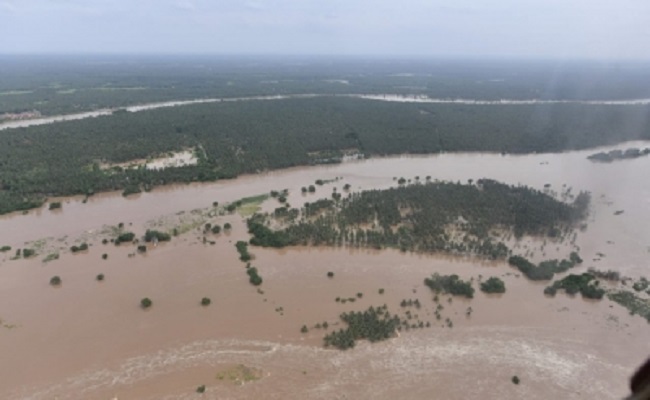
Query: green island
x,y
433,217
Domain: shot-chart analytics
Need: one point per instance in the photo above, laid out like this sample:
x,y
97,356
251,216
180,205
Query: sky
x,y
567,29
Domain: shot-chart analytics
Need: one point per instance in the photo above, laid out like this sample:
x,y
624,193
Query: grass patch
x,y
240,374
250,205
633,303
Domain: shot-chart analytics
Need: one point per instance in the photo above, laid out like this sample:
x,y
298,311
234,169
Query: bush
x,y
330,274
100,277
151,235
104,256
254,277
142,249
146,303
5,249
304,329
206,301
242,249
200,389
125,237
493,285
451,284
28,253
55,205
81,247
515,380
55,281
227,226
216,229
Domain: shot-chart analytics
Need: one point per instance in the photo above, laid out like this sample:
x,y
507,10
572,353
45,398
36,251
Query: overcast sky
x,y
607,29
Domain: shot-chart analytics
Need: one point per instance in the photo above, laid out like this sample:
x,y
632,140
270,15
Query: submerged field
x,y
91,339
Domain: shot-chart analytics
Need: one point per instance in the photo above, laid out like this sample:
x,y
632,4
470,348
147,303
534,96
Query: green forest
x,y
231,138
431,217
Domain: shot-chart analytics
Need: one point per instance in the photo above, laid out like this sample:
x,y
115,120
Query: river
x,y
90,340
376,97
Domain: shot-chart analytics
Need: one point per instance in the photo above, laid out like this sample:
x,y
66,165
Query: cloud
x,y
187,5
8,6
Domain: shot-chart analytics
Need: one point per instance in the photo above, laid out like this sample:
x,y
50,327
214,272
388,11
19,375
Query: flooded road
x,y
91,340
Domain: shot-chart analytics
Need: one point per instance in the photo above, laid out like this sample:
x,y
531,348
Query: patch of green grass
x,y
251,205
239,374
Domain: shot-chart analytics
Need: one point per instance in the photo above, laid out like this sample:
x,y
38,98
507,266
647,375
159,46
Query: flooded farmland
x,y
91,340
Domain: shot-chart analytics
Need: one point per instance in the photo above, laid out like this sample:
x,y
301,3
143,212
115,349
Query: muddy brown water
x,y
90,340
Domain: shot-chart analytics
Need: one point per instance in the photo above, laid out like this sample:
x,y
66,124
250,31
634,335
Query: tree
x,y
146,303
493,285
515,380
206,301
100,277
55,281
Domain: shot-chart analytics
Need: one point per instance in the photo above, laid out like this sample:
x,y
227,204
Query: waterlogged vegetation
x,y
616,155
545,270
493,285
473,218
634,303
449,284
374,324
585,284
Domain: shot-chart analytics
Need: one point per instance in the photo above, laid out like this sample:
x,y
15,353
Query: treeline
x,y
420,217
232,138
60,84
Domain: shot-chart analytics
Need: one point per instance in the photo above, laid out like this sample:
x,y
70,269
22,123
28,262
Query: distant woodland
x,y
239,137
231,138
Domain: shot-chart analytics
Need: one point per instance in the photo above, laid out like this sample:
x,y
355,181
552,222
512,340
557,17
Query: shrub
x,y
206,301
125,237
200,389
150,235
100,277
216,229
515,380
55,205
81,247
55,281
5,249
227,226
330,274
146,303
104,256
493,285
28,253
254,277
142,249
451,284
242,249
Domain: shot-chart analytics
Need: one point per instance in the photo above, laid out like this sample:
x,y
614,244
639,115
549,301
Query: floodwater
x,y
90,340
379,97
